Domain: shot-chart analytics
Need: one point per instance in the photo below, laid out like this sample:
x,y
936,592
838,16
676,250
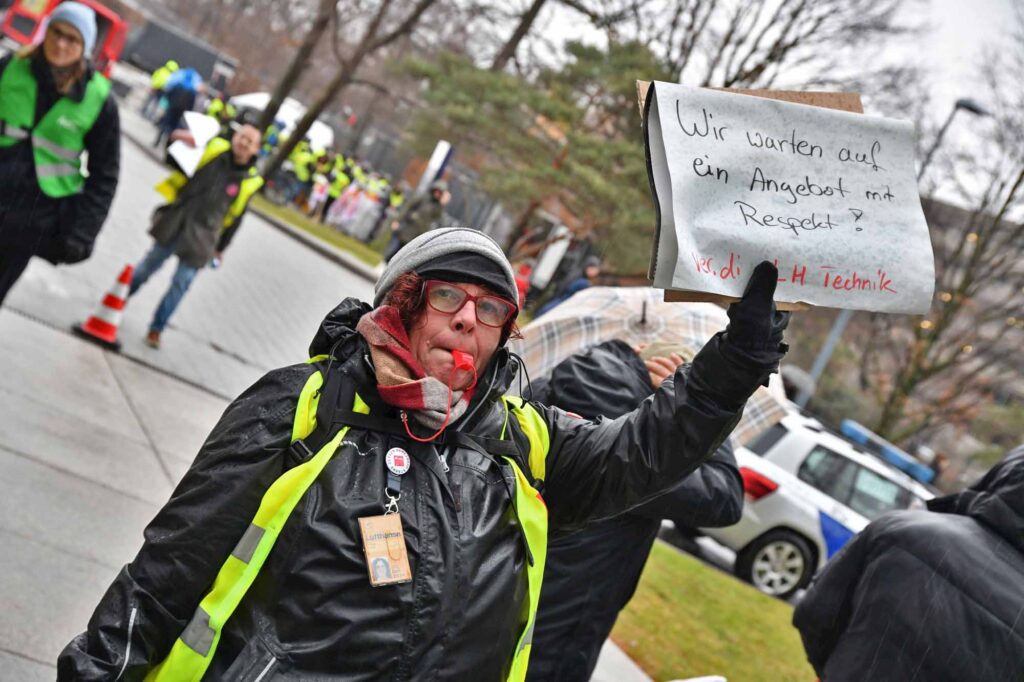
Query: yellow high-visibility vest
x,y
192,652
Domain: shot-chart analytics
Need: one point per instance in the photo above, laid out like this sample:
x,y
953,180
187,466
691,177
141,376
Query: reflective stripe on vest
x,y
195,648
58,140
536,430
246,190
14,132
533,517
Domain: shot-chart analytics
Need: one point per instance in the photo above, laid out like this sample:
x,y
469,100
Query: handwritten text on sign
x,y
829,196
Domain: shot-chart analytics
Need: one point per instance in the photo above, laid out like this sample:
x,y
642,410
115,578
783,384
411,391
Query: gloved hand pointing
x,y
755,326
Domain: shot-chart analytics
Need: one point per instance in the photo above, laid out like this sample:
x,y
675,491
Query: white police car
x,y
807,493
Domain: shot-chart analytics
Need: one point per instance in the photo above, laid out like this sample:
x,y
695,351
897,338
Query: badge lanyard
x,y
387,559
397,461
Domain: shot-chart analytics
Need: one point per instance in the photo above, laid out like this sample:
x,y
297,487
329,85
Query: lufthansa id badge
x,y
384,545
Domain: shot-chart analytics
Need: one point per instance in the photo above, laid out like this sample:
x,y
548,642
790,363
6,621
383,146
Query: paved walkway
x,y
259,310
92,442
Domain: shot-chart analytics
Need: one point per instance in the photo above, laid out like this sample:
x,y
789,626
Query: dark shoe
x,y
153,339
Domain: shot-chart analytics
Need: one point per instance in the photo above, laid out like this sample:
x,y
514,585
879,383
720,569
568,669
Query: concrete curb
x,y
342,258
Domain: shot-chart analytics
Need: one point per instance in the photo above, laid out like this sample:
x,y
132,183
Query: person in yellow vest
x,y
302,158
156,88
201,217
272,136
395,444
397,198
339,180
55,107
222,112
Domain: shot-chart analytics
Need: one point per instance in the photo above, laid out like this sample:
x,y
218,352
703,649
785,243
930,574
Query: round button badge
x,y
398,461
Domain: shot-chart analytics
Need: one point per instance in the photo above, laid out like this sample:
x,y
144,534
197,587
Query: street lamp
x,y
968,105
964,103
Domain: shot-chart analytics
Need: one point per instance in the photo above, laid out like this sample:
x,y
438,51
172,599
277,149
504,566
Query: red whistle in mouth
x,y
463,360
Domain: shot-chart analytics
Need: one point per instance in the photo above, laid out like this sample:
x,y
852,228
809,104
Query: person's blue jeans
x,y
151,106
297,188
183,276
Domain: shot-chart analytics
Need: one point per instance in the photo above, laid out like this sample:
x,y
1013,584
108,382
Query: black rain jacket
x,y
194,222
65,228
927,596
312,614
592,574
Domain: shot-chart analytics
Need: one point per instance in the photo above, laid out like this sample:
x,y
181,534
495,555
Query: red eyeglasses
x,y
447,298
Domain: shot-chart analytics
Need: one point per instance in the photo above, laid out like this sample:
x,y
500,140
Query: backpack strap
x,y
329,407
324,395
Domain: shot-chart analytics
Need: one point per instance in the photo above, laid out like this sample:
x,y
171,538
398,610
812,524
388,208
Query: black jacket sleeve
x,y
610,380
825,610
228,233
710,497
152,599
598,469
85,213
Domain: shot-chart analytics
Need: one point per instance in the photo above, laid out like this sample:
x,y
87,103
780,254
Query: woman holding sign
x,y
377,512
55,107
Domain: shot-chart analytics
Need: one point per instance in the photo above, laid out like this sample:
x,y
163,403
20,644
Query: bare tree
x,y
381,31
508,50
605,14
761,43
325,11
926,372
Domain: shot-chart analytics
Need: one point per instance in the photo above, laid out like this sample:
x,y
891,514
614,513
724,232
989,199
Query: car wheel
x,y
778,563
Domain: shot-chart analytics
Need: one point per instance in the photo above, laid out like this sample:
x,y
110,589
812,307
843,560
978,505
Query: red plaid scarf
x,y
401,381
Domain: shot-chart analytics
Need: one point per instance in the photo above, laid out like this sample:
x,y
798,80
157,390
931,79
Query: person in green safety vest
x,y
54,109
201,217
396,444
156,88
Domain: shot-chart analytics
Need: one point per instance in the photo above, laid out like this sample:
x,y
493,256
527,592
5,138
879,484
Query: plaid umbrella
x,y
638,315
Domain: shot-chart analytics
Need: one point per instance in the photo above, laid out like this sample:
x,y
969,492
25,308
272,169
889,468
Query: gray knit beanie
x,y
435,244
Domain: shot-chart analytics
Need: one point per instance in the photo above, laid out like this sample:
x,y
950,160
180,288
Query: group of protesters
x,y
347,194
388,510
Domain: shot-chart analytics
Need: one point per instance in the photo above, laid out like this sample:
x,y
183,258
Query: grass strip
x,y
324,233
688,620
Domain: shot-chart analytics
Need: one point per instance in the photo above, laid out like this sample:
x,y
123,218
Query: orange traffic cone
x,y
102,327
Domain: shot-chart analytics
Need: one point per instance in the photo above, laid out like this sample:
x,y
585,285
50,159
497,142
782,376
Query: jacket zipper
x,y
266,669
128,646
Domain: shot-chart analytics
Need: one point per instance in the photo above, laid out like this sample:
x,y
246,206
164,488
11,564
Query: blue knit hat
x,y
82,18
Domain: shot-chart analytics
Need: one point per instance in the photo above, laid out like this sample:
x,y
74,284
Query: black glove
x,y
755,326
64,248
75,250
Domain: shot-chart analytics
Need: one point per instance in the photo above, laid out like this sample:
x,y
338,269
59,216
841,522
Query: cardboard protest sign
x,y
830,196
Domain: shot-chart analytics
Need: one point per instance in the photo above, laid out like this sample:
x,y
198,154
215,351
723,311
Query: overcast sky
x,y
961,28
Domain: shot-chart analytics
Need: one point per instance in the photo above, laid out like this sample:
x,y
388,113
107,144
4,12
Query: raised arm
x,y
597,469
